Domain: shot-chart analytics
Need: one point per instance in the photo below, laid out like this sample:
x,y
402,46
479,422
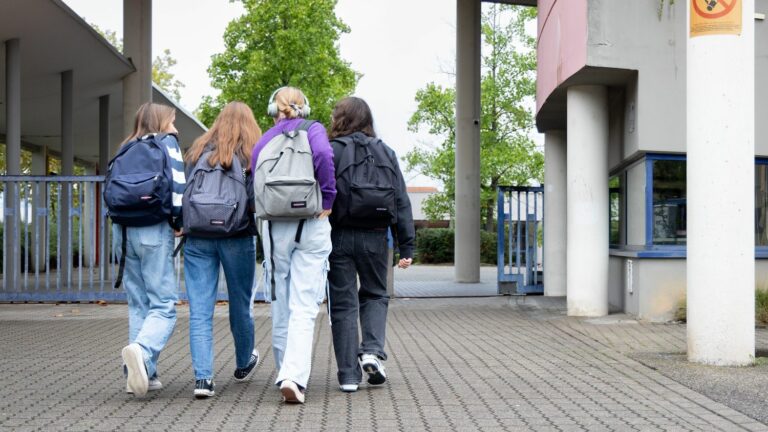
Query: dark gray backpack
x,y
284,178
215,201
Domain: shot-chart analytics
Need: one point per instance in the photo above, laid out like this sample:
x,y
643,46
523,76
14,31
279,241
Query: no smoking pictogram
x,y
713,9
715,17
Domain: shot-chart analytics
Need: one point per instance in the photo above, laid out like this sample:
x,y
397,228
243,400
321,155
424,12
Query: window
x,y
761,202
616,210
669,201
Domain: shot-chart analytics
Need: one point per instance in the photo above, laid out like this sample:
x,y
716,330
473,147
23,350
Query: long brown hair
x,y
151,118
351,115
234,132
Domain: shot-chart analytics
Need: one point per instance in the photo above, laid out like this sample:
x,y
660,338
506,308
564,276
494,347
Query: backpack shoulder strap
x,y
305,125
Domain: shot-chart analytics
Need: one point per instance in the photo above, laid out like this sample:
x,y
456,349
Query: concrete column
x,y
38,232
13,106
13,162
554,214
137,45
104,126
467,198
721,200
64,221
587,201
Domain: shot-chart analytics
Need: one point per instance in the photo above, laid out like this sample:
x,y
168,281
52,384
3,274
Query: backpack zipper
x,y
276,162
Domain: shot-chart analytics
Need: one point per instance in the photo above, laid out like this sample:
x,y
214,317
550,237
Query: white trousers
x,y
300,286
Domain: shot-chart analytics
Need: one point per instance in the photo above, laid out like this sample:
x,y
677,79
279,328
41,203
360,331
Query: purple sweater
x,y
322,155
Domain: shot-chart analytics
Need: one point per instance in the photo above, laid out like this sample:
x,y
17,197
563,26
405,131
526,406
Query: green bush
x,y
488,243
435,246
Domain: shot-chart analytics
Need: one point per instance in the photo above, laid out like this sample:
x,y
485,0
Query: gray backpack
x,y
284,178
215,201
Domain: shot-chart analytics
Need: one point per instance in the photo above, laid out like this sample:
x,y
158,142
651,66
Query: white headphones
x,y
302,112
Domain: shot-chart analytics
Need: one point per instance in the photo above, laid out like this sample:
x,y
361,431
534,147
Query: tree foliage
x,y
279,43
508,156
161,66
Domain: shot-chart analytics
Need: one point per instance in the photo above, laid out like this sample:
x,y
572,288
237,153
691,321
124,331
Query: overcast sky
x,y
398,46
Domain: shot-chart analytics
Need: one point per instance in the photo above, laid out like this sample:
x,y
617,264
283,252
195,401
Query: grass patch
x,y
761,308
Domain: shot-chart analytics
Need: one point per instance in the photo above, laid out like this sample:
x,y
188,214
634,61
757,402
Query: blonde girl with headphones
x,y
296,251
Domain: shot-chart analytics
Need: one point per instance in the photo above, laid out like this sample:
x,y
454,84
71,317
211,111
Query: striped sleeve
x,y
177,169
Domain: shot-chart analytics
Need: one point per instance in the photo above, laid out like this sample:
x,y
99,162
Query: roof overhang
x,y
52,39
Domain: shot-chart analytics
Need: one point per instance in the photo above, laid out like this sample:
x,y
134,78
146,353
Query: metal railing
x,y
520,220
56,242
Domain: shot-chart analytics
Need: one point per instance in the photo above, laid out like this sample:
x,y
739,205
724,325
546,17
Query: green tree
x,y
161,66
507,153
279,43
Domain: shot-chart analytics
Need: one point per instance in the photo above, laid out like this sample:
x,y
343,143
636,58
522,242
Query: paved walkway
x,y
459,364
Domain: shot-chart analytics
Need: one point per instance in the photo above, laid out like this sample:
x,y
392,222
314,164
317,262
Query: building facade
x,y
611,100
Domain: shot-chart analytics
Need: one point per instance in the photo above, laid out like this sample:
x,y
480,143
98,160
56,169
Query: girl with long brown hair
x,y
227,144
149,280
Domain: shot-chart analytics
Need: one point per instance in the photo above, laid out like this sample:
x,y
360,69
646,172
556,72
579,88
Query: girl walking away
x,y
295,189
143,190
219,229
371,198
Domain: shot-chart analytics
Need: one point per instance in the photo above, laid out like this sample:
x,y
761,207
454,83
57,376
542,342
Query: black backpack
x,y
366,183
139,181
215,202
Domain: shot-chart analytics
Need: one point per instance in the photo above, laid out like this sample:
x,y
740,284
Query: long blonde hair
x,y
234,132
291,102
151,118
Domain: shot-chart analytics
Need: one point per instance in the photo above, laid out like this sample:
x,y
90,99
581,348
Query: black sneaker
x,y
242,374
204,388
374,368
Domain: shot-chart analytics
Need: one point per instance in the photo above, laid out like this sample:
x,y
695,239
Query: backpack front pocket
x,y
135,191
291,197
369,201
209,214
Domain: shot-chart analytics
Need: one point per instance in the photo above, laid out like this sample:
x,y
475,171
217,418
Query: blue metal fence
x,y
56,242
520,216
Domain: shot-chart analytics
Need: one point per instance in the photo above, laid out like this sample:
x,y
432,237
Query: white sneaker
x,y
154,385
374,368
137,381
348,388
291,392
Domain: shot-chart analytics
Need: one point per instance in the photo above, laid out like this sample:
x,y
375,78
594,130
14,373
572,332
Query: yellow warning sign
x,y
715,17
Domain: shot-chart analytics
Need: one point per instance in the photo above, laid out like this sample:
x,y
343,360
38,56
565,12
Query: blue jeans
x,y
150,285
202,257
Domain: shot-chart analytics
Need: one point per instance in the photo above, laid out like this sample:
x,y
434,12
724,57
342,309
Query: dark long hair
x,y
351,115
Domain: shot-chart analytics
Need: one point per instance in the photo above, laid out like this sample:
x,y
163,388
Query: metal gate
x,y
520,236
56,242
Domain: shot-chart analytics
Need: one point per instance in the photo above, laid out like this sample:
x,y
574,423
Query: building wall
x,y
635,202
656,47
562,44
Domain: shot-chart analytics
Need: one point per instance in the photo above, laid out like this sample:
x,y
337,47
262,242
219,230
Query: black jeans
x,y
364,253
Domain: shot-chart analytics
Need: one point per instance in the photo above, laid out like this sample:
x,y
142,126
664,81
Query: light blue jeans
x,y
300,286
150,285
202,257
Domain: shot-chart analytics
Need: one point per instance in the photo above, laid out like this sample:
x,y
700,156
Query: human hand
x,y
179,232
404,263
324,214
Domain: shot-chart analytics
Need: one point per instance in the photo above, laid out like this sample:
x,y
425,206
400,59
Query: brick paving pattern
x,y
492,364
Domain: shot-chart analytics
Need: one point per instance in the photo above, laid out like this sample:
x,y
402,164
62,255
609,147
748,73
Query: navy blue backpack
x,y
138,187
139,181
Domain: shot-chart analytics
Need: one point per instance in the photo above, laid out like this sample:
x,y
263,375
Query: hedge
x,y
435,246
